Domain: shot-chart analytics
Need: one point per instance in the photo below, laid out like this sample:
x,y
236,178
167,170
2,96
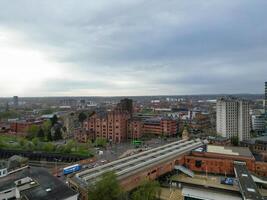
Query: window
x,y
198,163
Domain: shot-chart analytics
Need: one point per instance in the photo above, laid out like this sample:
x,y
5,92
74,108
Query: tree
x,y
149,190
58,134
54,120
49,136
1,144
49,147
89,143
108,188
30,146
234,140
22,142
100,142
41,133
47,126
35,141
82,116
32,131
69,146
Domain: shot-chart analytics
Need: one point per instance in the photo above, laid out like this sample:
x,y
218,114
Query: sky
x,y
132,47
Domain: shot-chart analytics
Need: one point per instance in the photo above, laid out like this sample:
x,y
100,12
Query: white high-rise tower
x,y
233,119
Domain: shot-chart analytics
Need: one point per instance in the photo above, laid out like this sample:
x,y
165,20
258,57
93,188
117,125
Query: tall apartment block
x,y
15,101
233,119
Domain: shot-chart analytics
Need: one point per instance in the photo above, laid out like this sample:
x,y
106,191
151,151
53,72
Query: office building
x,y
15,101
233,119
258,123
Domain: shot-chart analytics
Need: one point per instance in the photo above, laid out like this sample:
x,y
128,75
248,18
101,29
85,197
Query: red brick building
x,y
200,122
110,125
160,126
82,135
219,159
21,127
135,128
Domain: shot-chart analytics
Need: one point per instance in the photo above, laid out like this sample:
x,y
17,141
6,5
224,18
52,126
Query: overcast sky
x,y
132,47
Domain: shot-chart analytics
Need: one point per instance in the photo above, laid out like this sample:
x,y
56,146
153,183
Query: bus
x,y
71,169
137,143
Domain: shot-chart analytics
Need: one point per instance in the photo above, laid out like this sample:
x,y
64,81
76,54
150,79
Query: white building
x,y
233,119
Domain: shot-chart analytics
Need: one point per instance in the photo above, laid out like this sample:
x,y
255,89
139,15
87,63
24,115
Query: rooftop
x,y
262,139
45,181
233,151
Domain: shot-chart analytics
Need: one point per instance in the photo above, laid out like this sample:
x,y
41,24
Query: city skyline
x,y
133,48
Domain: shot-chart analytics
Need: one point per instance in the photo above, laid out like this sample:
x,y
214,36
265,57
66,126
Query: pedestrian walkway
x,y
176,195
171,194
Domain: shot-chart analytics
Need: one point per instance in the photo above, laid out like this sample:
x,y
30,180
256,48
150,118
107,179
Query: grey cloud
x,y
175,46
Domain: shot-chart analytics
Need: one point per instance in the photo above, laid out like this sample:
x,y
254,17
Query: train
x,y
71,169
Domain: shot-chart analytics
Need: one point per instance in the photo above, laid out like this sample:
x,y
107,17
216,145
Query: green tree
x,y
32,131
22,142
89,143
41,133
107,188
47,126
30,146
100,142
234,140
54,120
82,116
49,147
58,134
35,141
49,136
149,190
69,146
2,144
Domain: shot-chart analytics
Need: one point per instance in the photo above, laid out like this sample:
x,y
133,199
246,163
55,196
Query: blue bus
x,y
71,169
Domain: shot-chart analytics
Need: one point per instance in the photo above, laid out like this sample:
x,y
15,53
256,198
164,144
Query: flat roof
x,y
229,150
45,180
199,180
132,164
209,193
262,139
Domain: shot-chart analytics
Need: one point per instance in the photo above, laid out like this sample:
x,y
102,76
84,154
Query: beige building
x,y
233,119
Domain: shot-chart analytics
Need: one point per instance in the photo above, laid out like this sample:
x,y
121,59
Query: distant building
x,y
161,126
126,105
233,119
220,141
200,122
16,101
135,128
258,123
257,145
20,127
